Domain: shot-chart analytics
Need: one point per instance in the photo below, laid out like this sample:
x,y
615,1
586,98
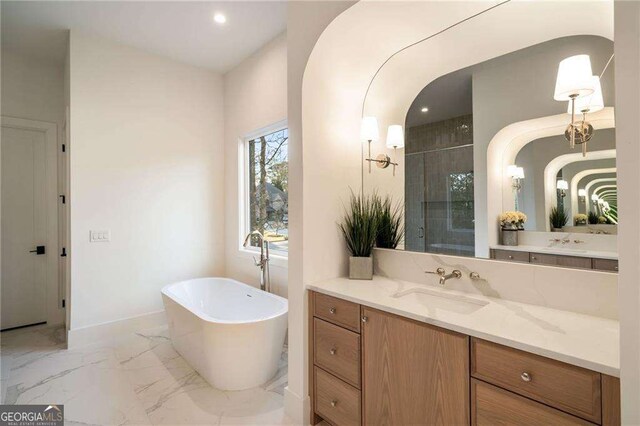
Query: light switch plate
x,y
102,236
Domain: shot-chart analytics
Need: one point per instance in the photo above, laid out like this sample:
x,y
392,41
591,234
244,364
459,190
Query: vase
x,y
510,237
361,268
556,229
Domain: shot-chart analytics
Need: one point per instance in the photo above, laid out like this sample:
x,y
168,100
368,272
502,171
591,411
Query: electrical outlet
x,y
103,236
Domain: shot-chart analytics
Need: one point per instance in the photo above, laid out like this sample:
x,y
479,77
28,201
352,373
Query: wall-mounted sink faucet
x,y
454,274
444,276
263,262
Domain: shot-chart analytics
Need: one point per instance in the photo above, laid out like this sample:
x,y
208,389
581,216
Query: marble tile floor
x,y
139,380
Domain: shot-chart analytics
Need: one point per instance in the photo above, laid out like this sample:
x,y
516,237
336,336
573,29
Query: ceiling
x,y
446,97
181,30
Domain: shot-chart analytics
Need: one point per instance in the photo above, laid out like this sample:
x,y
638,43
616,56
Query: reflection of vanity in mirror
x,y
490,138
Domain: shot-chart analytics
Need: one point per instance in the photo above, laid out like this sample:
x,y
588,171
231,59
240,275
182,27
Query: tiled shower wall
x,y
435,155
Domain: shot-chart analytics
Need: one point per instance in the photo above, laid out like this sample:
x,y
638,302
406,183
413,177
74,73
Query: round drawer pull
x,y
365,319
333,351
332,310
510,257
334,402
526,377
533,258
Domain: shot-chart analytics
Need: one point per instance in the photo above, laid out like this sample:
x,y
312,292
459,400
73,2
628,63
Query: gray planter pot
x,y
361,268
510,237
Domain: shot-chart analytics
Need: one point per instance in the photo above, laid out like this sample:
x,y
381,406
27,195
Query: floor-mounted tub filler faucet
x,y
263,262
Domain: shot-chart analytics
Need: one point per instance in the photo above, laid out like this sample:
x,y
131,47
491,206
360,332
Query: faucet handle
x,y
256,261
439,271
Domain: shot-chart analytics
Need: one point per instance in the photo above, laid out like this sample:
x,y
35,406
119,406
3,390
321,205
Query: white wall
x,y
146,163
627,50
34,89
255,96
305,23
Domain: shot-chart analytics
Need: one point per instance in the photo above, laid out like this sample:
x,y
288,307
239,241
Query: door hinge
x,y
64,303
64,147
64,252
64,198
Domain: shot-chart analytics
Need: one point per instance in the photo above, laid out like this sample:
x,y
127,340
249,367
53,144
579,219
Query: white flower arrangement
x,y
580,219
512,220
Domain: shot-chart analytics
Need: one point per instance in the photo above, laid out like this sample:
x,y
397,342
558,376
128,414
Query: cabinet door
x,y
495,406
413,373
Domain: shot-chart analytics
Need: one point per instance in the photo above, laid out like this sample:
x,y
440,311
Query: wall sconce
x,y
395,139
574,80
562,186
583,130
582,194
516,174
595,199
369,132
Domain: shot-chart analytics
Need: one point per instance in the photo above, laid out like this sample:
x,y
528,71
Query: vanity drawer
x,y
511,255
336,401
574,262
605,265
337,350
563,386
337,311
491,406
560,260
543,259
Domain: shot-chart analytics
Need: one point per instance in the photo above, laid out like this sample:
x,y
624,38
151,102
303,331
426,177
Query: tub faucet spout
x,y
263,262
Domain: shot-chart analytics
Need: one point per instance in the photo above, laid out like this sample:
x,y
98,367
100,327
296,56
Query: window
x,y
267,190
461,209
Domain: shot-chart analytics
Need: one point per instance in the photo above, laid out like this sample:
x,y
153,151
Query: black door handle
x,y
38,250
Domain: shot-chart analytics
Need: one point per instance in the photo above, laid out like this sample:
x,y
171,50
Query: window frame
x,y
278,257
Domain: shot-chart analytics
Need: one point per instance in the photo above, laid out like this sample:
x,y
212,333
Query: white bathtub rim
x,y
280,312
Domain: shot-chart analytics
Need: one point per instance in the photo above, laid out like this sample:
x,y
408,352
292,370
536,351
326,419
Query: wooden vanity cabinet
x,y
564,261
386,369
403,373
413,373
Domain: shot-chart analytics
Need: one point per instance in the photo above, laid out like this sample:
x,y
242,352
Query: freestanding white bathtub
x,y
229,332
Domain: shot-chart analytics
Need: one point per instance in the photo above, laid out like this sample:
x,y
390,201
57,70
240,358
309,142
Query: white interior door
x,y
24,227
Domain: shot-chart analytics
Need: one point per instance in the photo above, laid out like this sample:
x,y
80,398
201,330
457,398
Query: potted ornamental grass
x,y
510,223
359,227
390,222
558,219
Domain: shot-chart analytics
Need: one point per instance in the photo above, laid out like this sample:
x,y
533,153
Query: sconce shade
x,y
512,170
369,129
395,136
582,192
519,173
594,197
574,78
590,103
562,184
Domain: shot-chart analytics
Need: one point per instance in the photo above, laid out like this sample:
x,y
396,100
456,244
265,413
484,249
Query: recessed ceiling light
x,y
424,109
219,18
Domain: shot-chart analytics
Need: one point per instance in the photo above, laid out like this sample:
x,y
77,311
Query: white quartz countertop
x,y
561,251
582,340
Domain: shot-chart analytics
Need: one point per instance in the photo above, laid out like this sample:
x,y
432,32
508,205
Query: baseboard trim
x,y
297,407
113,330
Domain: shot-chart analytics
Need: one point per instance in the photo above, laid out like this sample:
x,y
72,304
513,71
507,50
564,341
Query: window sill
x,y
277,260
